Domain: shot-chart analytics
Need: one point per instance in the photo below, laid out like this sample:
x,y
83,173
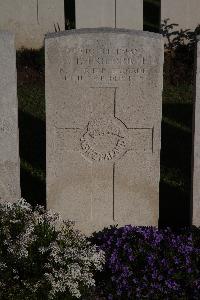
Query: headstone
x,y
185,13
129,14
196,145
103,110
109,13
30,20
9,141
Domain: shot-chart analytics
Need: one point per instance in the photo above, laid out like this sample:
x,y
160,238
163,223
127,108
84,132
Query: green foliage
x,y
180,48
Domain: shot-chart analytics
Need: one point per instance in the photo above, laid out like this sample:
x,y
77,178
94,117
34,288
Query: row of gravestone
x,y
103,120
30,20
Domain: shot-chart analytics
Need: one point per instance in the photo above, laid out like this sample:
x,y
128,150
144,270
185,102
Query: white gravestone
x,y
196,146
109,13
185,13
9,140
30,20
103,105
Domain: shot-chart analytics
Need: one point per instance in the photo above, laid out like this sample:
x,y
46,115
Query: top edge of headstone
x,y
104,30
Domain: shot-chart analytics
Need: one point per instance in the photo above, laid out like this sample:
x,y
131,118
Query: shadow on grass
x,y
175,209
32,188
151,11
32,145
70,19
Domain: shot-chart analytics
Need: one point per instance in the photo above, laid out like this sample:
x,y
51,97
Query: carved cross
x,y
106,139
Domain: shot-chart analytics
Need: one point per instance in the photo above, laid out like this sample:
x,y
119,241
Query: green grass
x,y
180,94
176,153
32,142
32,100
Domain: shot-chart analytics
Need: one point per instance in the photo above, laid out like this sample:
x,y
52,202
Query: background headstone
x,y
196,146
129,14
30,20
103,106
185,13
109,13
9,140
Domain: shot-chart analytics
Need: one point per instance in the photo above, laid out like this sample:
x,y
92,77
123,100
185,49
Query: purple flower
x,y
144,262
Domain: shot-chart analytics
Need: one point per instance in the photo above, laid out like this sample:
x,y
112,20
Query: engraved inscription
x,y
103,65
102,75
104,140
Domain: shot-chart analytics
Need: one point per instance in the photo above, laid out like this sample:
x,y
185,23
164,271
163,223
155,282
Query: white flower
x,y
70,259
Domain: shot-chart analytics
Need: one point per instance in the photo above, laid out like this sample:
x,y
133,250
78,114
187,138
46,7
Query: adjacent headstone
x,y
103,106
30,20
9,141
129,14
95,13
185,13
196,145
109,13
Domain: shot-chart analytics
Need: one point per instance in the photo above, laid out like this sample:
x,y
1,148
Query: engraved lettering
x,y
103,65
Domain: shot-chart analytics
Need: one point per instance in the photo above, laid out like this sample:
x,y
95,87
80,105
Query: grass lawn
x,y
176,152
31,98
176,141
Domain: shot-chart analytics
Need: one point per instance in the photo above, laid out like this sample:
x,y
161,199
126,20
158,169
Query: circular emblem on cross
x,y
104,139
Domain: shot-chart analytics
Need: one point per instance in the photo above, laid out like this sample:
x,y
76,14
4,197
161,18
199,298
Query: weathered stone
x,y
196,146
109,13
30,20
103,106
9,142
185,13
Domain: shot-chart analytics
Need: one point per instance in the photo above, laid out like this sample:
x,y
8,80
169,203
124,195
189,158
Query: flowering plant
x,y
42,257
147,263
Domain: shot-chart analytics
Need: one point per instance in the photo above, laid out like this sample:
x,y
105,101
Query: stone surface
x,y
9,141
196,146
109,13
95,13
129,14
103,106
185,13
30,20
